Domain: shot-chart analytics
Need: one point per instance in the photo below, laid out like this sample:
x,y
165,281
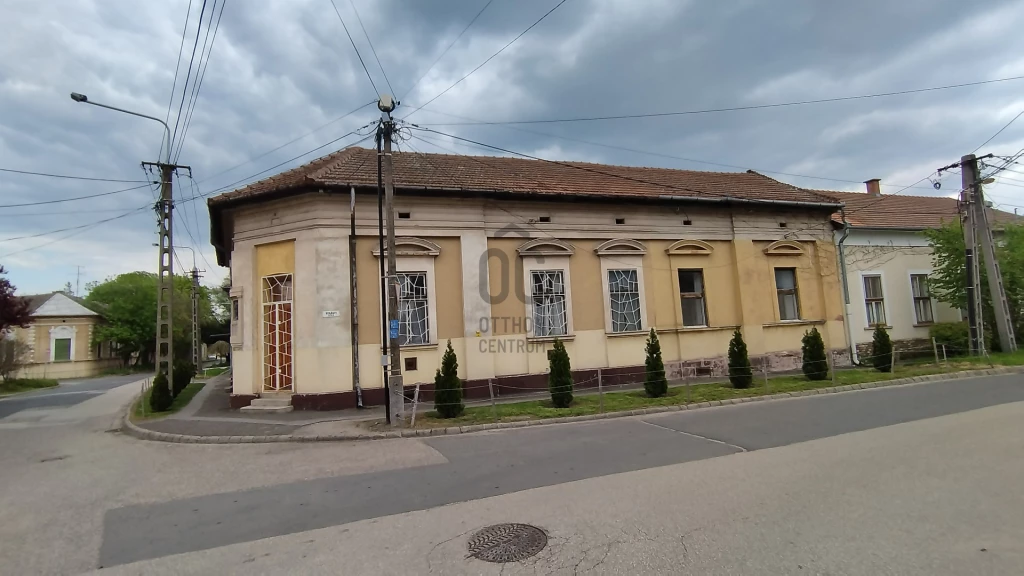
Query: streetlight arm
x,y
167,130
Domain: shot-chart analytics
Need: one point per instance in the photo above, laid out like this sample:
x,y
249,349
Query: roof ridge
x,y
818,193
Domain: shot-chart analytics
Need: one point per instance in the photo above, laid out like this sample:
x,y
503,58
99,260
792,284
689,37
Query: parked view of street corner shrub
x,y
448,386
881,350
740,372
560,376
815,365
655,383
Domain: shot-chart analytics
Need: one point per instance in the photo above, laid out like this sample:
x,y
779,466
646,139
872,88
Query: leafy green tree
x,y
13,309
448,386
655,383
219,348
881,350
184,371
813,347
947,280
160,398
741,374
559,376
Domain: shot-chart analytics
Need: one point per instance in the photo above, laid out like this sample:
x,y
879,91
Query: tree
x,y
13,310
220,348
13,353
881,350
448,386
160,398
559,376
741,374
947,280
184,371
655,383
813,348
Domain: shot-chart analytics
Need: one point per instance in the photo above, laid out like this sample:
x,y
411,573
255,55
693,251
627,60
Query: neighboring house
x,y
501,256
888,260
60,339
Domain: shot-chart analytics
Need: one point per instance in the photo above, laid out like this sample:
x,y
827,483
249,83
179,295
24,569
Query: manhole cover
x,y
503,543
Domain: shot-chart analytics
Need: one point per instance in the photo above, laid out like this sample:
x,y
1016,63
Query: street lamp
x,y
167,131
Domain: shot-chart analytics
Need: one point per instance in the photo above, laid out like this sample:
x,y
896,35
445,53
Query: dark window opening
x,y
410,363
405,215
620,220
687,222
544,219
782,224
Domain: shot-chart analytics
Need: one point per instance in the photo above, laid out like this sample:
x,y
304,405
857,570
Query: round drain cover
x,y
503,543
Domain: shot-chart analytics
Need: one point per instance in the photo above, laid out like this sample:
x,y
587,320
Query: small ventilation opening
x,y
782,224
410,363
620,220
703,371
405,215
544,219
687,222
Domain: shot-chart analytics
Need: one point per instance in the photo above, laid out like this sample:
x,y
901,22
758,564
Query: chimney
x,y
873,187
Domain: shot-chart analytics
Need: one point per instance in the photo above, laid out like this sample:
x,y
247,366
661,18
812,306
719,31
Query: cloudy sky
x,y
284,70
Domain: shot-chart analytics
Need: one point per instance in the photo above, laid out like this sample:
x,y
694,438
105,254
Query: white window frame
x,y
913,304
620,262
679,299
62,332
864,299
539,264
422,265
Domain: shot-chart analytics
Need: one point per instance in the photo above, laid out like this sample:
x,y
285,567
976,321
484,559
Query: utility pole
x,y
78,281
396,392
196,340
1004,327
974,318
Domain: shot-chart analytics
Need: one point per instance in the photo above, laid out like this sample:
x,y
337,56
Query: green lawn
x,y
211,372
584,404
16,385
180,402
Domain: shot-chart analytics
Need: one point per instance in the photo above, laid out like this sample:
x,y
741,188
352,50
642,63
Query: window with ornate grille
x,y
413,309
922,298
277,333
691,297
624,297
874,300
549,310
785,287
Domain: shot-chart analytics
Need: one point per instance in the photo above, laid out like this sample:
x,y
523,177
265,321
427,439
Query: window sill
x,y
624,334
800,322
698,329
432,346
872,328
567,337
924,324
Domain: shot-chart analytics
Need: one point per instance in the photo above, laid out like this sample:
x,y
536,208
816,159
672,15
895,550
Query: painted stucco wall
x,y
84,360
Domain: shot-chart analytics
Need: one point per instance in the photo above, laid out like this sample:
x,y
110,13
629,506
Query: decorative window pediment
x,y
546,247
784,248
406,246
690,248
621,247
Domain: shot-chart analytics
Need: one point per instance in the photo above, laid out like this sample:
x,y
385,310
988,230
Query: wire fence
x,y
703,372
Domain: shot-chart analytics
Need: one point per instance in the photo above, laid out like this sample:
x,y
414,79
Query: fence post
x,y
490,390
944,359
764,366
600,391
415,403
143,401
892,360
935,348
831,363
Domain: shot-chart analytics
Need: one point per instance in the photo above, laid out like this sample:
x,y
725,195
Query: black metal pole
x,y
383,278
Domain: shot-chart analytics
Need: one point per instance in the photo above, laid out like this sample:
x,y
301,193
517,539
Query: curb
x,y
136,431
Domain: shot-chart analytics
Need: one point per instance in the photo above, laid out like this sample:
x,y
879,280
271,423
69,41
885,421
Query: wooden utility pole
x,y
394,382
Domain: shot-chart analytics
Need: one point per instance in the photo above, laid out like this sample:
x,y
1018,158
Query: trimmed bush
x,y
955,335
160,398
881,350
813,348
448,386
655,383
560,376
741,374
184,371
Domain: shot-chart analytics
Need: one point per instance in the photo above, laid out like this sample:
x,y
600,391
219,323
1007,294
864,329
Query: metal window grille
x,y
413,309
874,300
691,298
624,296
548,294
922,298
785,286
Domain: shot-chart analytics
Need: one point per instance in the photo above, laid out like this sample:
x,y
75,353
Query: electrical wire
x,y
197,86
65,176
353,42
1014,119
74,198
489,58
438,59
177,65
75,231
27,236
188,74
729,109
372,49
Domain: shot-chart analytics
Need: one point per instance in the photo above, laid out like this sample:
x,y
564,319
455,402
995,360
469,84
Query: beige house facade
x,y
503,256
60,339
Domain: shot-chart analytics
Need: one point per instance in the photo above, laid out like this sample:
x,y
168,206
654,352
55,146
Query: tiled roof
x,y
905,212
442,172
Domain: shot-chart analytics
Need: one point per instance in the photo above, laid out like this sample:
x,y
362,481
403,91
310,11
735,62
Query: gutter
x,y
732,200
846,289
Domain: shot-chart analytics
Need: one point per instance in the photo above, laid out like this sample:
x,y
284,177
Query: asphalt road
x,y
69,393
486,465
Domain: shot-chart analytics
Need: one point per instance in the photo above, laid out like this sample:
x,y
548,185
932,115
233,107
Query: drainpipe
x,y
354,314
846,289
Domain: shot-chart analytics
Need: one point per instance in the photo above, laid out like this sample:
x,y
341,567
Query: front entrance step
x,y
270,403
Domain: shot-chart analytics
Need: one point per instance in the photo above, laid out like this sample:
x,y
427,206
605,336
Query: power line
x,y
58,213
177,65
730,109
353,42
489,58
73,198
75,231
1014,119
27,236
197,86
372,49
65,176
438,59
188,74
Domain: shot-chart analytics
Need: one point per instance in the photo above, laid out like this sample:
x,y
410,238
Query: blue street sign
x,y
393,329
